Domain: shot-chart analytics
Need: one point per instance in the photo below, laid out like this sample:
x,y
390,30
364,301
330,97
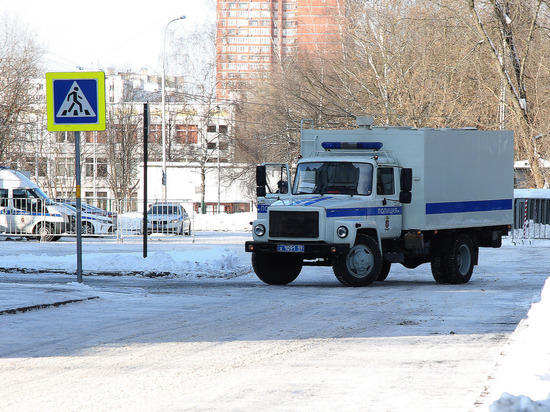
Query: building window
x,y
89,167
101,167
65,167
155,133
187,133
101,164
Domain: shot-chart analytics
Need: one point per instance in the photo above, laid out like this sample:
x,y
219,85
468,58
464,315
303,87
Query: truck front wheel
x,y
361,265
275,269
384,271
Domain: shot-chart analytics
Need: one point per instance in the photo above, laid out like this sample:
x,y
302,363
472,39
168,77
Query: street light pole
x,y
164,108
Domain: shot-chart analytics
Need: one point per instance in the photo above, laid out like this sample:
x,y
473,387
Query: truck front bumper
x,y
304,249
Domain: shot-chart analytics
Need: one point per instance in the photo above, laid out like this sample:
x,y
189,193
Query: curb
x,y
47,305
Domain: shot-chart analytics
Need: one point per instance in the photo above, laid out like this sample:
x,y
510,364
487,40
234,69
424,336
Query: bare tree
x,y
123,128
196,57
509,28
20,55
418,63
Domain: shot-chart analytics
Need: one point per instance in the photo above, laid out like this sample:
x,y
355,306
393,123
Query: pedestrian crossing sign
x,y
75,101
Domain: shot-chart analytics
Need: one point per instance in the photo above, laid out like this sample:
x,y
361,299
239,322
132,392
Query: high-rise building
x,y
254,35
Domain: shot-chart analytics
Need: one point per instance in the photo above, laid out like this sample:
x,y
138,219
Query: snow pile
x,y
525,369
510,403
193,260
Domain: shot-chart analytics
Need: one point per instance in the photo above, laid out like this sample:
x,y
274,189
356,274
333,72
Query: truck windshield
x,y
349,178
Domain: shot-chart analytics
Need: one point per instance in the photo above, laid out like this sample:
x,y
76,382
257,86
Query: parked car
x,y
168,218
26,210
92,224
93,210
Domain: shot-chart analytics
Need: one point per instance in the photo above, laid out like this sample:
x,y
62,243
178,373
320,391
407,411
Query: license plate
x,y
290,248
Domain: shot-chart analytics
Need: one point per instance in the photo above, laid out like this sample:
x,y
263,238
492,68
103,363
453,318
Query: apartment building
x,y
254,35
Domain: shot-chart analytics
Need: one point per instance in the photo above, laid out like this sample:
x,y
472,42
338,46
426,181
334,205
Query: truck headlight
x,y
342,231
259,230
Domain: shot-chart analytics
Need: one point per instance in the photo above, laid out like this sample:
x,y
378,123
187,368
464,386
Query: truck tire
x,y
384,271
438,271
361,265
459,262
275,269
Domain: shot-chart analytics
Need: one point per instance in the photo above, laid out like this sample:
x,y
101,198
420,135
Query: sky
x,y
124,34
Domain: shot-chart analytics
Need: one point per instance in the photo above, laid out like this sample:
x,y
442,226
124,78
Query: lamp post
x,y
164,107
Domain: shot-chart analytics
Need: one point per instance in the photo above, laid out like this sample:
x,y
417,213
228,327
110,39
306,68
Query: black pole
x,y
145,155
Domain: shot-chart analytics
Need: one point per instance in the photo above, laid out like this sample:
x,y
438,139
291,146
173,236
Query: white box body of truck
x,y
364,199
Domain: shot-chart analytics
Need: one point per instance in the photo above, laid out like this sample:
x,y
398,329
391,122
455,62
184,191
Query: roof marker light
x,y
352,145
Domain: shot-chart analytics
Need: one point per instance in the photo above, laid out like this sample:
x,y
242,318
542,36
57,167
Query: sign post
x,y
76,102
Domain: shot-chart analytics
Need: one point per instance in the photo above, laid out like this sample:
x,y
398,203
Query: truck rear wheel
x,y
361,265
456,265
438,271
275,269
459,262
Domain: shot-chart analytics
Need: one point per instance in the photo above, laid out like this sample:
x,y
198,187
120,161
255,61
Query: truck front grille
x,y
293,224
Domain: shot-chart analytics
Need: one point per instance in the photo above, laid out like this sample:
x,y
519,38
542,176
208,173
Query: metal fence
x,y
49,219
531,219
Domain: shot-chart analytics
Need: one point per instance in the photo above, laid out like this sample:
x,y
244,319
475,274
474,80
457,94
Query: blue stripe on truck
x,y
364,211
469,206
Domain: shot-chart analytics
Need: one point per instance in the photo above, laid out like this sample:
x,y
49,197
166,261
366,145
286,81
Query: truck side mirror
x,y
406,179
260,191
405,196
260,175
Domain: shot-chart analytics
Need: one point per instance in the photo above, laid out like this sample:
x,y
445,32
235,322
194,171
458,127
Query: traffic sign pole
x,y
78,208
75,101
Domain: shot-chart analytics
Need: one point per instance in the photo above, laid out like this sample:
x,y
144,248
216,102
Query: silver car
x,y
168,218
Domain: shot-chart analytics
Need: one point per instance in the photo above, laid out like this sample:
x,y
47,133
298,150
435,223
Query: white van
x,y
26,210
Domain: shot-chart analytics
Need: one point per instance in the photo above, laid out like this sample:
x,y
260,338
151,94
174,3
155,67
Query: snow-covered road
x,y
213,338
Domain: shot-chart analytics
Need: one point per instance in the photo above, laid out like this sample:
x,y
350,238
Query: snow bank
x,y
523,377
510,403
532,193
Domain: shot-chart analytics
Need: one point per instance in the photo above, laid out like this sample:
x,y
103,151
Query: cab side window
x,y
385,182
20,200
4,198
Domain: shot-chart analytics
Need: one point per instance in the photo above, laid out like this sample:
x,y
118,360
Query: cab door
x,y
389,211
4,210
22,218
273,183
